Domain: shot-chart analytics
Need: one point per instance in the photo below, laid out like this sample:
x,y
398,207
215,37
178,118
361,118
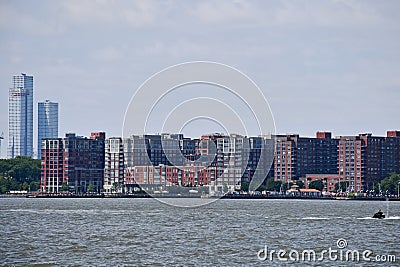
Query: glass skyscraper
x,y
20,116
47,122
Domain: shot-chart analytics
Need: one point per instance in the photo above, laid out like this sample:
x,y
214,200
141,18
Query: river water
x,y
145,232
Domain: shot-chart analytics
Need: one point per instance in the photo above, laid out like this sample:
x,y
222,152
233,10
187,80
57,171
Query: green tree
x,y
8,183
5,166
375,188
300,184
342,186
25,186
4,185
34,186
14,185
262,188
115,187
3,189
225,188
273,185
90,188
19,173
244,186
390,184
286,186
317,184
64,187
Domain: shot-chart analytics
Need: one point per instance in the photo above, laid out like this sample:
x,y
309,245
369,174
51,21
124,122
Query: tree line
x,y
19,173
388,186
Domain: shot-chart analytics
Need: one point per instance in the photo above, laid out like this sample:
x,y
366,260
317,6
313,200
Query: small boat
x,y
379,215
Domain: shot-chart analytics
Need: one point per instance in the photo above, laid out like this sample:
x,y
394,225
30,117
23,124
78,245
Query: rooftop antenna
x,y
1,138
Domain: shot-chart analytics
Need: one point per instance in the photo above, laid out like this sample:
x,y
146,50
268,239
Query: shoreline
x,y
231,196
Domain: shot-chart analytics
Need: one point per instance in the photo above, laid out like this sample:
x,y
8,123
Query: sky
x,y
329,65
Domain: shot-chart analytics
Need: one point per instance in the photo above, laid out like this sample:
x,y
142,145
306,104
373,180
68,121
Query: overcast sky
x,y
322,65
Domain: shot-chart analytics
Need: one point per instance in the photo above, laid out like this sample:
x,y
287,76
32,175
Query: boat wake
x,y
387,218
393,218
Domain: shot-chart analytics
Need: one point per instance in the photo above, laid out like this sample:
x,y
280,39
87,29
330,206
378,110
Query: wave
x,y
316,218
64,211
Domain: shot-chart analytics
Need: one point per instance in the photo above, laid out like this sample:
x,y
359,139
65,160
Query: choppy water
x,y
144,232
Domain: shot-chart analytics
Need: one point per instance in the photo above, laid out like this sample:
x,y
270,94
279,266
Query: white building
x,y
114,165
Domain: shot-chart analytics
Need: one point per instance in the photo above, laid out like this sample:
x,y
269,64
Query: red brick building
x,y
366,159
297,156
75,160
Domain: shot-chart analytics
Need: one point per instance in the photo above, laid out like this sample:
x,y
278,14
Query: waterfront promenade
x,y
182,196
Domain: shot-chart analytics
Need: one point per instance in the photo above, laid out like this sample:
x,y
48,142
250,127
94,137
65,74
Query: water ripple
x,y
144,232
